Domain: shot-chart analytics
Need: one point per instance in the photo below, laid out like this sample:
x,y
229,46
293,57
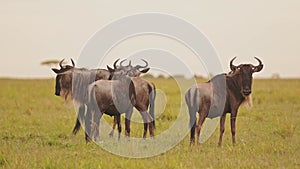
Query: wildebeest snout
x,y
57,93
247,91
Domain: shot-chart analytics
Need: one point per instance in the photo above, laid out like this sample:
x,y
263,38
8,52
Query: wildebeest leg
x,y
96,125
152,105
232,123
200,122
111,134
127,122
151,125
146,122
79,119
222,128
193,119
88,120
118,120
145,129
149,121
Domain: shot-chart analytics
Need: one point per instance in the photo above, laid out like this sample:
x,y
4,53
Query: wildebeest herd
x,y
117,90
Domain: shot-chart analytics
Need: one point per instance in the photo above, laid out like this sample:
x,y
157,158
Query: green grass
x,y
35,131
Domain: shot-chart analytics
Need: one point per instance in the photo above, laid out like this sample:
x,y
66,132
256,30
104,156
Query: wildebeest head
x,y
63,78
245,72
129,70
116,72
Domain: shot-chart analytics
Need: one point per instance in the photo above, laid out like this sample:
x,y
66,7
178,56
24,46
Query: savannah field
x,y
36,131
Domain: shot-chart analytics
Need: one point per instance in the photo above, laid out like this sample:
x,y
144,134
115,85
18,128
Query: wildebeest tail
x,y
91,96
191,99
152,95
132,93
91,102
79,120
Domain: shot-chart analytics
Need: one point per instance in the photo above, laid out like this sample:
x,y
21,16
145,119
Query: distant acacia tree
x,y
51,62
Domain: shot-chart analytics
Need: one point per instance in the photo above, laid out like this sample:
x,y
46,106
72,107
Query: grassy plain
x,y
35,131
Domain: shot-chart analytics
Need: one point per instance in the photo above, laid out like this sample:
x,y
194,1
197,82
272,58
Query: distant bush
x,y
161,76
199,77
148,75
275,76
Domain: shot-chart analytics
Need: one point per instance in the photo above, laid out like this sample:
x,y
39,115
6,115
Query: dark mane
x,y
81,79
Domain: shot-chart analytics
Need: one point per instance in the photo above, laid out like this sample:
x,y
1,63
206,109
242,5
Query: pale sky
x,y
34,31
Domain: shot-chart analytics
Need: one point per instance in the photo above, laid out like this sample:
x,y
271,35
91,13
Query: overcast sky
x,y
34,31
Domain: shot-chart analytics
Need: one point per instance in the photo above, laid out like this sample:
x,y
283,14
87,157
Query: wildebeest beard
x,y
64,86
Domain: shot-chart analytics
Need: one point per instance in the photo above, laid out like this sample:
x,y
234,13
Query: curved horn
x,y
232,67
73,64
121,63
60,63
258,67
145,62
260,62
115,63
139,66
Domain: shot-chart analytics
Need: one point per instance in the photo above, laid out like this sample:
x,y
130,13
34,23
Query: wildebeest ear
x,y
57,71
258,68
110,69
233,68
145,70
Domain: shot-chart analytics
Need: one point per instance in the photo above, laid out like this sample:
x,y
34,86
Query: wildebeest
x,y
223,94
145,95
84,77
100,74
112,97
